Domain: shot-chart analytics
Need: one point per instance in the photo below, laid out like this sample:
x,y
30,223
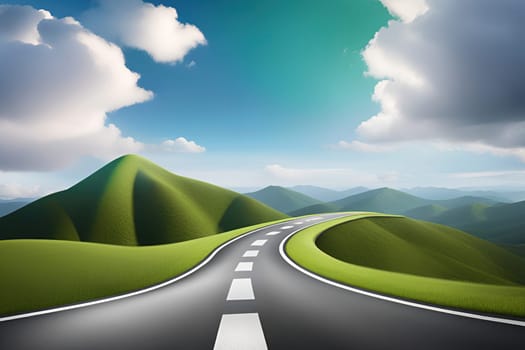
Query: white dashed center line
x,y
244,266
241,289
259,242
240,331
250,254
273,233
286,227
313,219
298,222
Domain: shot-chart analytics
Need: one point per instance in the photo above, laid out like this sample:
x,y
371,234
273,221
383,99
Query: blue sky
x,y
248,94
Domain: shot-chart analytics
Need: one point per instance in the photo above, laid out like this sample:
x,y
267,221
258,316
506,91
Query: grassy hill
x,y
132,201
421,248
414,260
283,199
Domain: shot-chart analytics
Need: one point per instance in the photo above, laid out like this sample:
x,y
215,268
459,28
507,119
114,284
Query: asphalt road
x,y
265,304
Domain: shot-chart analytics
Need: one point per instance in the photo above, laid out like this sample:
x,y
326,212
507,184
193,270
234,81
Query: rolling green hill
x,y
421,248
414,260
132,201
283,199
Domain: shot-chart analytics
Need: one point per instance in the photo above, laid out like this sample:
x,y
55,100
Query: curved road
x,y
248,297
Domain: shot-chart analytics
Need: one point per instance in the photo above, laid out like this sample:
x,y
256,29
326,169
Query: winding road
x,y
249,297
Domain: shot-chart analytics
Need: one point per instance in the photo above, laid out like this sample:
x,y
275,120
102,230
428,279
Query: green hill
x,y
426,212
421,248
501,224
414,260
132,201
283,199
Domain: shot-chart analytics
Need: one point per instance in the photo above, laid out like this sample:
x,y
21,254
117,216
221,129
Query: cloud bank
x,y
144,26
450,71
57,82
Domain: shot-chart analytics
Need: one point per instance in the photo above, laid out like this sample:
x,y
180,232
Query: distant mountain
x,y
383,200
283,199
500,223
9,206
426,212
438,193
325,194
132,201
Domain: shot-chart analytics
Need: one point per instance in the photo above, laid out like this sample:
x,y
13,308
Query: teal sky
x,y
277,85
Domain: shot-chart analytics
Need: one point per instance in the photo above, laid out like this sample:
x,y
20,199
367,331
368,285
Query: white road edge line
x,y
241,289
250,254
240,331
384,297
138,292
244,266
259,242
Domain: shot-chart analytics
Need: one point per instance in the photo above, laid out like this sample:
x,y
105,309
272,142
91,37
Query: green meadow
x,y
414,260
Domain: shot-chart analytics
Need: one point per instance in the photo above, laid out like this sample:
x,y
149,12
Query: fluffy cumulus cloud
x,y
144,26
450,71
57,82
181,145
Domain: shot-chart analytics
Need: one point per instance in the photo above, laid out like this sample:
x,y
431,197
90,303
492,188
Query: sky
x,y
245,94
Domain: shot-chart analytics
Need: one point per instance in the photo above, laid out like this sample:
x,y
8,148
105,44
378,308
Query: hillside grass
x,y
41,274
414,260
132,201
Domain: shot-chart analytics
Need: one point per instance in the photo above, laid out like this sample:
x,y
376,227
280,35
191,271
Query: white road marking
x,y
259,242
298,222
241,289
286,227
391,299
273,233
240,331
250,254
313,219
244,266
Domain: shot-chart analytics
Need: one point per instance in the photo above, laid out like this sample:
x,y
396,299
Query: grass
x,y
40,274
414,260
132,201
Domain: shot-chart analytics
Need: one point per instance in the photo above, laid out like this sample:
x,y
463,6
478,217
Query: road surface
x,y
248,297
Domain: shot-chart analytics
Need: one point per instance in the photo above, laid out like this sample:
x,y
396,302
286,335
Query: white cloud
x,y
191,64
454,74
57,82
15,190
144,26
406,10
181,145
364,147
